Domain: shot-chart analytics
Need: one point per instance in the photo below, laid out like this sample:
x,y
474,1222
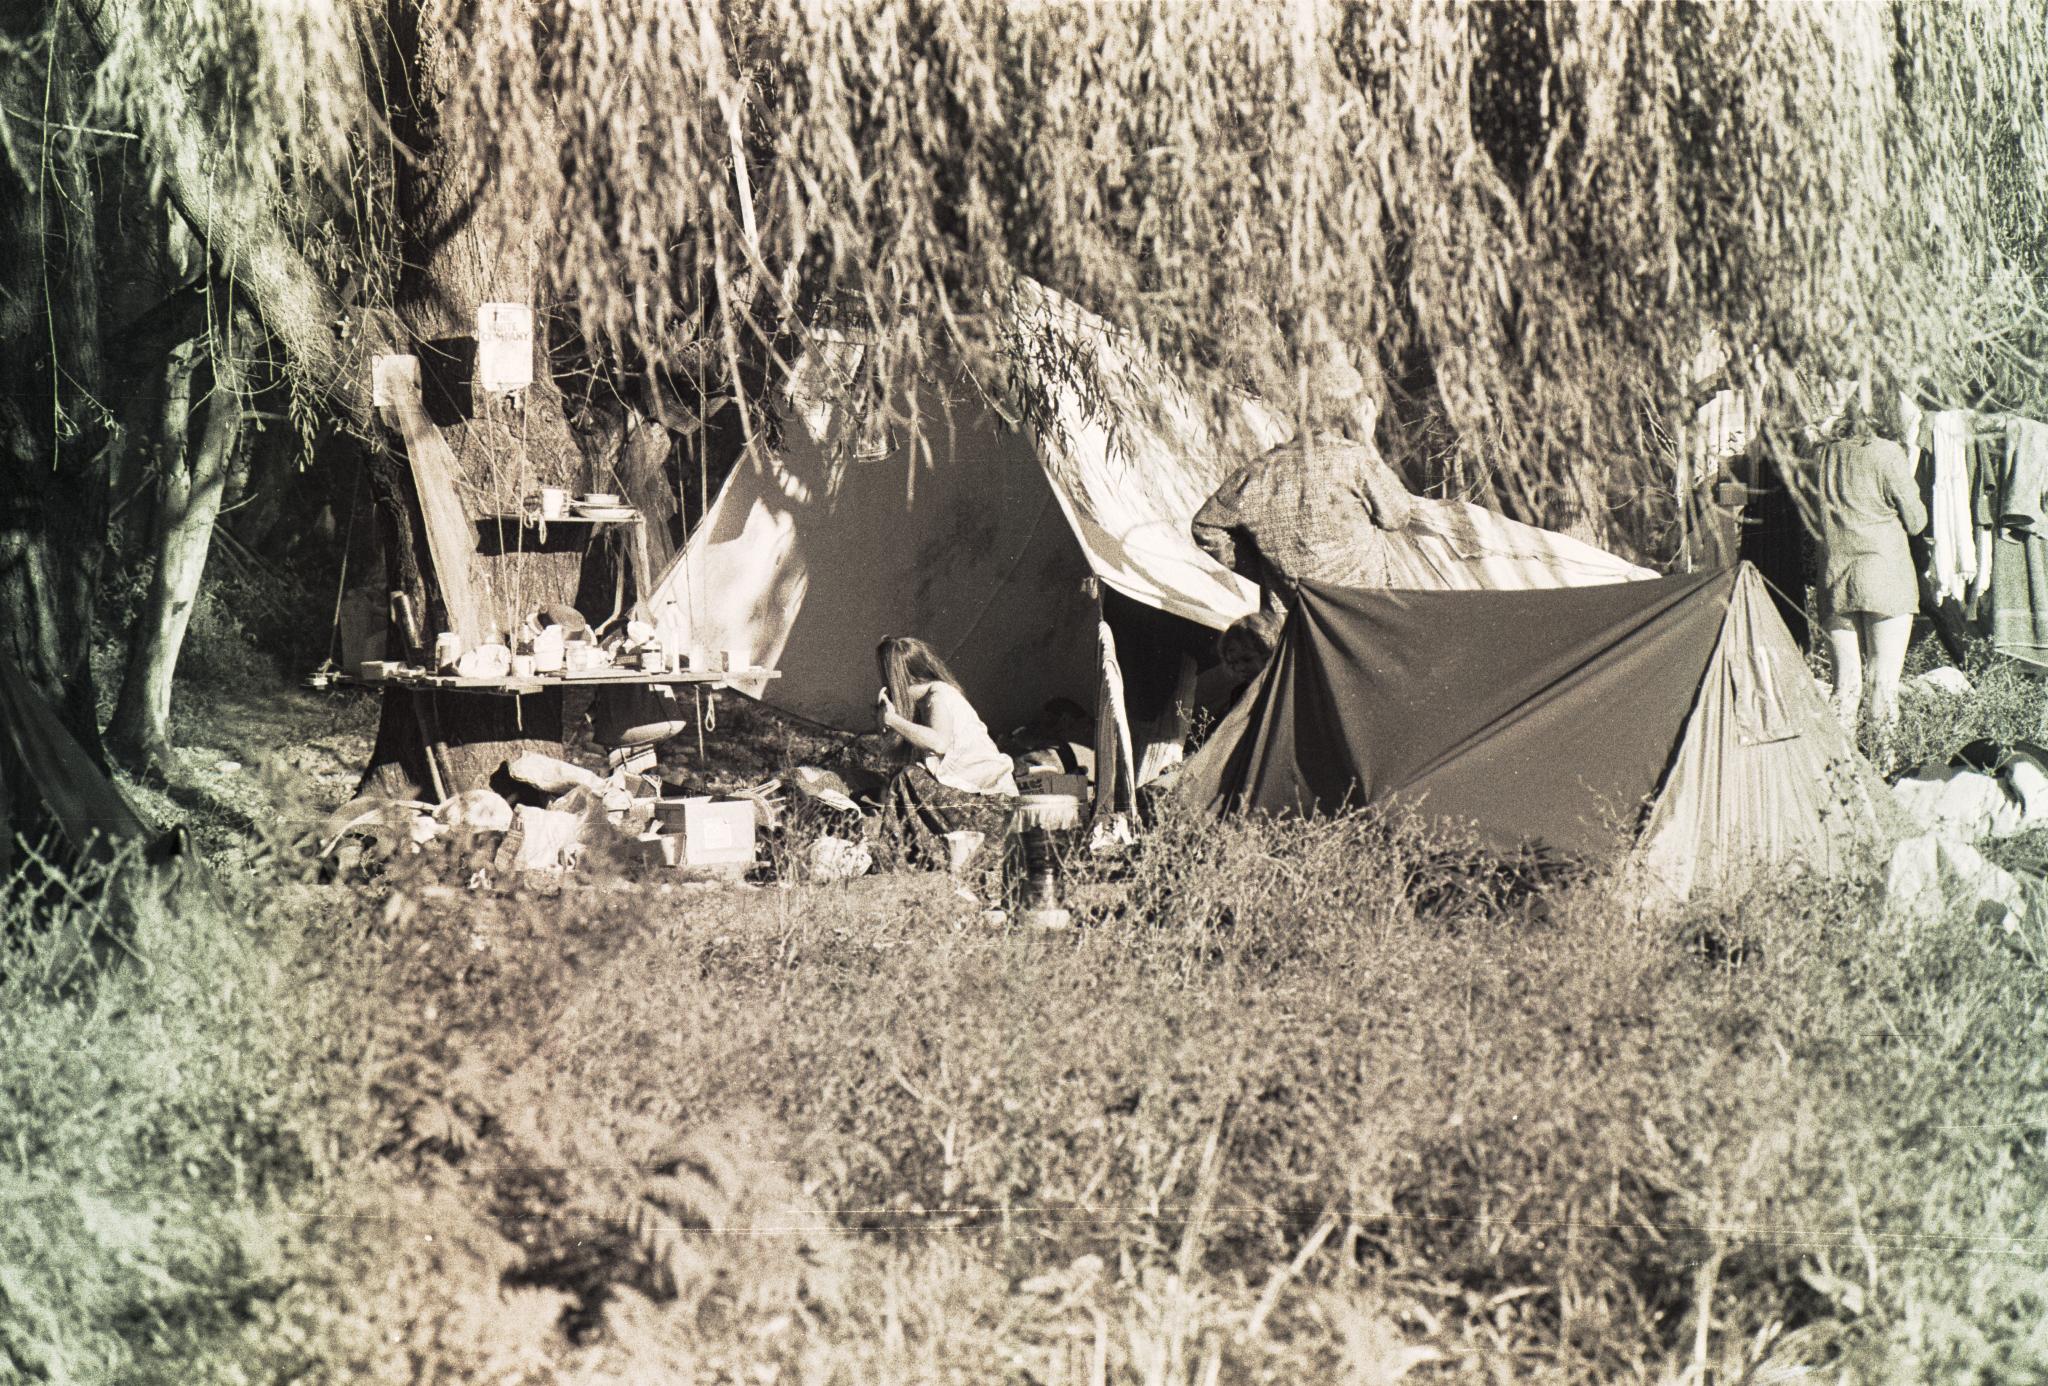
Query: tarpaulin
x,y
981,546
1131,490
1553,717
1545,715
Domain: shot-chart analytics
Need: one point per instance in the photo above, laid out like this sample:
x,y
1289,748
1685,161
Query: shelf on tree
x,y
532,521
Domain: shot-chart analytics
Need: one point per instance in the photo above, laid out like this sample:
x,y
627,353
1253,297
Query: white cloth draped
x,y
1955,539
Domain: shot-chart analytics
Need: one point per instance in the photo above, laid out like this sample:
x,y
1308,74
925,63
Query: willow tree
x,y
1523,220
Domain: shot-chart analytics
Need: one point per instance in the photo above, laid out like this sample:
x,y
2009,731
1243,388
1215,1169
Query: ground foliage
x,y
1265,1113
1264,1118
164,1119
1526,219
1347,1101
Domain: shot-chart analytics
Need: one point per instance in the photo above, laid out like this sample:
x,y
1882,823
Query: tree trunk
x,y
505,447
53,432
140,733
462,247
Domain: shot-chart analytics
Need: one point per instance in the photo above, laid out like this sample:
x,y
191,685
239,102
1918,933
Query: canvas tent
x,y
1552,717
807,557
51,792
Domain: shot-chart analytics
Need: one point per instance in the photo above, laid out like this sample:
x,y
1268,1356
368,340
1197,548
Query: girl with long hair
x,y
957,784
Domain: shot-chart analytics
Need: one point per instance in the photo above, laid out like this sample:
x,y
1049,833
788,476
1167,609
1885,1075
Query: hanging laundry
x,y
1987,471
1724,427
2019,552
1955,540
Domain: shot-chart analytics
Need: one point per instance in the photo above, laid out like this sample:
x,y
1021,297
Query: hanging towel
x,y
1909,424
1955,542
2023,502
2019,553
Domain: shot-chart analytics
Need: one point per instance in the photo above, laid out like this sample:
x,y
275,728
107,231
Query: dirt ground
x,y
258,756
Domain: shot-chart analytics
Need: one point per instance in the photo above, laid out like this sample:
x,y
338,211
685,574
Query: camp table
x,y
540,683
695,679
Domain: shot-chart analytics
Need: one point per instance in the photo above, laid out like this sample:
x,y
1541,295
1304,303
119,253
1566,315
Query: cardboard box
x,y
716,834
1075,786
669,812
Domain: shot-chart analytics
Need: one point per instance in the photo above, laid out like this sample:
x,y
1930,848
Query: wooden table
x,y
697,680
541,683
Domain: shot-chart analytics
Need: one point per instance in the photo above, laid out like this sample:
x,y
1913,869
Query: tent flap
x,y
1766,773
1540,715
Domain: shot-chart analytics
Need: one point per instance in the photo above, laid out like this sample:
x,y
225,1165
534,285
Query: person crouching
x,y
954,798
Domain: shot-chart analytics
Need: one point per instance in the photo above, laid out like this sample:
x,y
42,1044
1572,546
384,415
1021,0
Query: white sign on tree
x,y
504,342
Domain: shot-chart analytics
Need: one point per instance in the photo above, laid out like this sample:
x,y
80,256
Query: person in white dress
x,y
957,782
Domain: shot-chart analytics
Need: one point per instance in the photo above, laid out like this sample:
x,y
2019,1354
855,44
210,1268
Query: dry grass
x,y
1264,1120
1344,1101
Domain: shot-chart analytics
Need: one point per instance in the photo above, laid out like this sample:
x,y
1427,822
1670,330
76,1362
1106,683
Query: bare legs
x,y
1869,653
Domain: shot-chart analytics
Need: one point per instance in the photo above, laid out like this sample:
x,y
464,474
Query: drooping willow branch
x,y
1523,220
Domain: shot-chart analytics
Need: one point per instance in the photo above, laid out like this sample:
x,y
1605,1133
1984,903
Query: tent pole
x,y
1105,730
1683,478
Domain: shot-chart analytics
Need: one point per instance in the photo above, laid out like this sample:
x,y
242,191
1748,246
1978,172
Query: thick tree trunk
x,y
195,478
459,253
53,433
463,255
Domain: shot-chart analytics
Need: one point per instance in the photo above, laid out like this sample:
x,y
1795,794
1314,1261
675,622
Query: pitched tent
x,y
1552,717
801,566
804,561
50,789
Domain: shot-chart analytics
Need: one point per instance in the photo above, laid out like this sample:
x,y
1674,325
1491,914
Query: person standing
x,y
1321,508
1869,506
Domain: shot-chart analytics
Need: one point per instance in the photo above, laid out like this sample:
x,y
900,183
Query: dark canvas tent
x,y
50,789
1552,717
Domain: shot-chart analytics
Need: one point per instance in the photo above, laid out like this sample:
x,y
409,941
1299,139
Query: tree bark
x,y
53,430
195,478
463,246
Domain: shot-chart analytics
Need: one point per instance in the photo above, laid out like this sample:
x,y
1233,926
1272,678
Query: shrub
x,y
161,1141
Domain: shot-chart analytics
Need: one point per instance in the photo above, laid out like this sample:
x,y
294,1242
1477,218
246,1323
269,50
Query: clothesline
x,y
1988,508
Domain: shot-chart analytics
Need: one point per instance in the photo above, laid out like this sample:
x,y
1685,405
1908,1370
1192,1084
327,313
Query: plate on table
x,y
605,512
